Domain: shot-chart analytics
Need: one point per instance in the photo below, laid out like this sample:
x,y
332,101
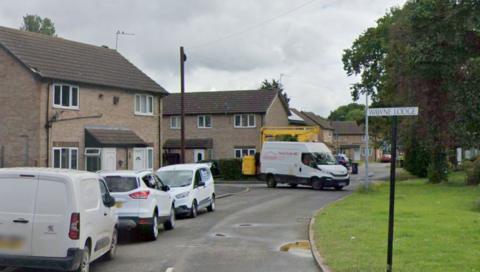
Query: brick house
x,y
349,139
311,119
221,124
72,105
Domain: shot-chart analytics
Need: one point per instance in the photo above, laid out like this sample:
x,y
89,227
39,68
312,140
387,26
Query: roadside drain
x,y
299,248
245,225
220,235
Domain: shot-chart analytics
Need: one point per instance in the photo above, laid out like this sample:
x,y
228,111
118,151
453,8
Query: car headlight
x,y
182,195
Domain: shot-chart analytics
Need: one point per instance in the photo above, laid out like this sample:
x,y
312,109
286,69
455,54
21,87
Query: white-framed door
x,y
198,155
109,159
139,158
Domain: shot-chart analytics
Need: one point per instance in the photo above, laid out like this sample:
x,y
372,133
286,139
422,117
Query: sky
x,y
230,45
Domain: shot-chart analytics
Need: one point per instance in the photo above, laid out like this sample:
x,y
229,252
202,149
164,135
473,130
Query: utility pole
x,y
367,151
183,58
121,33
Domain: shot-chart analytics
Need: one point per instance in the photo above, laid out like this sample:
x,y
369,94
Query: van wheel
x,y
113,247
85,263
293,185
211,208
194,210
317,184
271,183
170,224
338,188
152,233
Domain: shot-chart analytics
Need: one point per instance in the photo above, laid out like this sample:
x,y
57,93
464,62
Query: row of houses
x,y
72,105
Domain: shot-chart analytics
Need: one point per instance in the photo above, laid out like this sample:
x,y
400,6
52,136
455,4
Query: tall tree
x,y
350,112
427,54
275,85
35,23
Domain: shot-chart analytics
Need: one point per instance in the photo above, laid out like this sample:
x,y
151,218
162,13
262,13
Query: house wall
x,y
276,115
99,101
20,112
225,136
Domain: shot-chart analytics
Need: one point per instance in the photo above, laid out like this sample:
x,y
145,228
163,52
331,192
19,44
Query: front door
x,y
139,158
198,155
109,159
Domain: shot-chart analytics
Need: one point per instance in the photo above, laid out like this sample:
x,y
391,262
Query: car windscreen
x,y
180,178
324,158
118,184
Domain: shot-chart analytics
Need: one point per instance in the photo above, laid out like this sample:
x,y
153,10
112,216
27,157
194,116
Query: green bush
x,y
472,169
417,158
231,169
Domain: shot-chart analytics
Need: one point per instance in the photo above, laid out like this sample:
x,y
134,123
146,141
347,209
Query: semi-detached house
x,y
221,124
72,105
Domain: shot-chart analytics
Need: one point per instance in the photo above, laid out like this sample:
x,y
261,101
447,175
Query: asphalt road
x,y
245,233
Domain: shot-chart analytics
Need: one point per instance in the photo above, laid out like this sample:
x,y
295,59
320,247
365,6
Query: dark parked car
x,y
386,158
343,160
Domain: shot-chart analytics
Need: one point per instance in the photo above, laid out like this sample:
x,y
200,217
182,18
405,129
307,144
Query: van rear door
x,y
17,203
52,217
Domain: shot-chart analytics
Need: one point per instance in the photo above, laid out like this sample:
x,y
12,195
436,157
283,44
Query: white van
x,y
55,219
191,185
306,163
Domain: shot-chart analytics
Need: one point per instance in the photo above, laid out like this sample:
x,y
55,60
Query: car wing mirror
x,y
110,201
165,188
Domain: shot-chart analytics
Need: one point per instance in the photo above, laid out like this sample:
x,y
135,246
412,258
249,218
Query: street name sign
x,y
404,111
393,112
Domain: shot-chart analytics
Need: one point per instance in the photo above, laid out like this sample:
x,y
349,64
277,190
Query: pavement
x,y
245,233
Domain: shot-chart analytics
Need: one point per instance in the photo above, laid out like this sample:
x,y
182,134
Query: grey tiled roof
x,y
347,128
61,59
110,137
323,123
189,143
218,102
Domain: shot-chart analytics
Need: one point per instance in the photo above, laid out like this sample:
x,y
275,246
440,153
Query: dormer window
x,y
65,96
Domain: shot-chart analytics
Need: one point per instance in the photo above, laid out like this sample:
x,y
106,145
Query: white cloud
x,y
306,45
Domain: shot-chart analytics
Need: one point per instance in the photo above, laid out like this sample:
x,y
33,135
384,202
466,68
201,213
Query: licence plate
x,y
119,204
342,184
11,243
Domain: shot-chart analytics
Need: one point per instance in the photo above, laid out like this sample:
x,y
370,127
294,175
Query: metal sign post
x,y
394,112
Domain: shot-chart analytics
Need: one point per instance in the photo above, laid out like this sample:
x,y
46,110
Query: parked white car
x,y
191,185
142,200
55,219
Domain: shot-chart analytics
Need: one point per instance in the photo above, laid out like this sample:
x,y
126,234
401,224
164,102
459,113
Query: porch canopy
x,y
112,137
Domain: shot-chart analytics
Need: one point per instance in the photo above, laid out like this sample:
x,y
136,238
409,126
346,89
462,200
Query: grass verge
x,y
437,228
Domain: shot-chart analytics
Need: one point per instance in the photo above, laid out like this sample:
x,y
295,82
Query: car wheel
x,y
293,185
85,262
170,224
113,246
152,232
194,210
338,188
271,183
317,184
211,208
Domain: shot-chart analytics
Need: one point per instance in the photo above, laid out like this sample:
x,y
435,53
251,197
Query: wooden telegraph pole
x,y
183,58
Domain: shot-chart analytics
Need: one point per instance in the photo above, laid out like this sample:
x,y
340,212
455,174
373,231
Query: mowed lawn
x,y
437,228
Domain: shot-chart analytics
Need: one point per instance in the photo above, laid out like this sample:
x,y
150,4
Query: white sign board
x,y
405,111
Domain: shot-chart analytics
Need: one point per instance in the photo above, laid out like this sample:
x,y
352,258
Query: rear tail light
x,y
74,232
140,195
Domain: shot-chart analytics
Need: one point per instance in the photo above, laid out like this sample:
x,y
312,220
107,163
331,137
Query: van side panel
x,y
52,218
282,160
17,203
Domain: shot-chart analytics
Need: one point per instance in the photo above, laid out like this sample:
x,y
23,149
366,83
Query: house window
x,y
93,161
65,157
204,121
65,96
175,122
244,121
143,104
241,152
149,158
364,152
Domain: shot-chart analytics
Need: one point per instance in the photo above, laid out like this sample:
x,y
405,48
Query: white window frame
x,y
204,122
248,120
179,121
70,90
148,98
249,152
69,156
147,150
97,154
